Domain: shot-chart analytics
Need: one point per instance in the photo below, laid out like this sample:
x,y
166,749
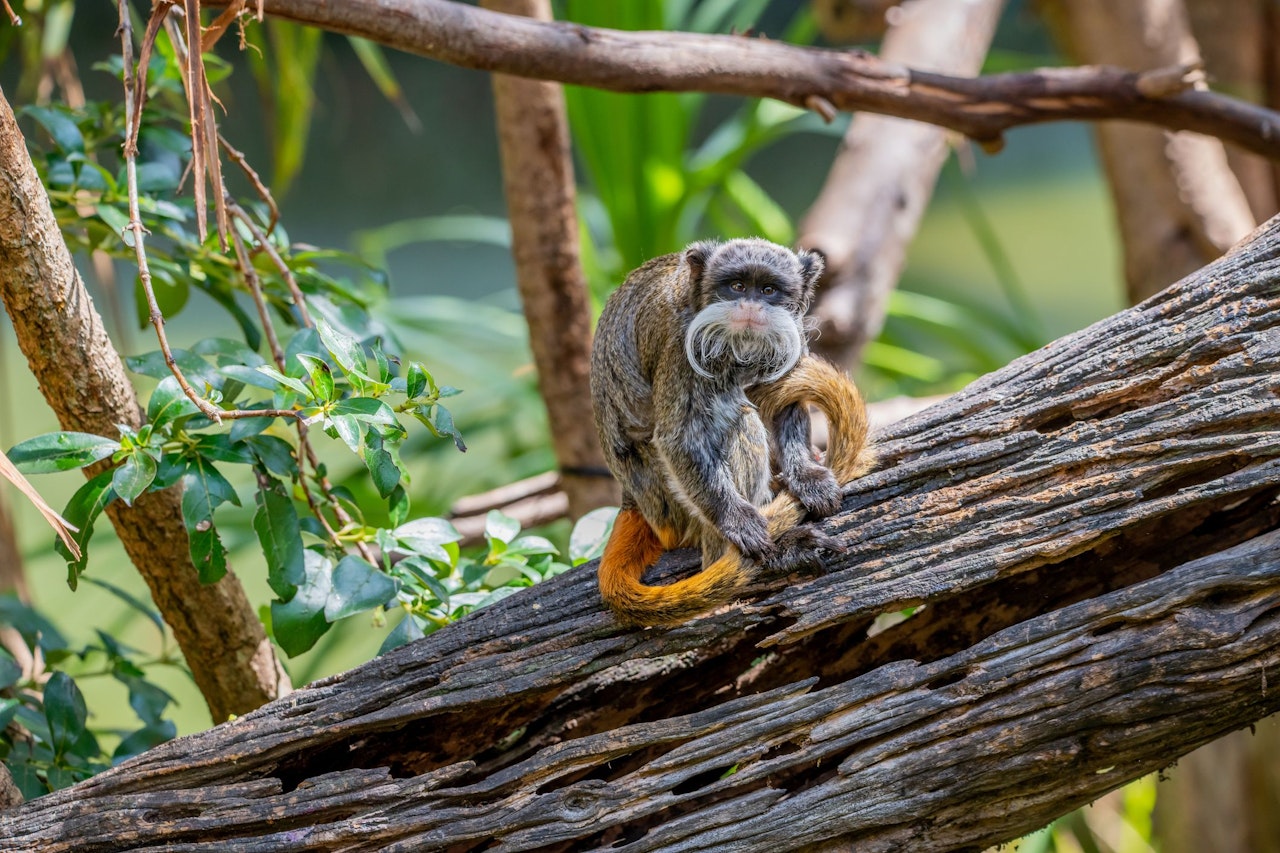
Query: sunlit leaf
x,y
61,451
357,586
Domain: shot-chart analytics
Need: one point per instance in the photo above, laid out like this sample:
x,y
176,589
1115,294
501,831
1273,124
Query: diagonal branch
x,y
1091,531
982,108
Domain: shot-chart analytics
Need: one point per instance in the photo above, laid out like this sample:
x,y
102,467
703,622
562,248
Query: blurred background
x,y
396,159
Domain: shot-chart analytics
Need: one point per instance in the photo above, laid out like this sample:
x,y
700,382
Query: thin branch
x,y
264,243
982,108
259,186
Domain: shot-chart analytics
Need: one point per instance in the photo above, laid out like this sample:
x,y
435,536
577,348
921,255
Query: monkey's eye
x,y
768,290
737,287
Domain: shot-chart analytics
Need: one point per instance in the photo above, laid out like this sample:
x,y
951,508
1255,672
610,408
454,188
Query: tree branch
x,y
1066,523
982,108
537,175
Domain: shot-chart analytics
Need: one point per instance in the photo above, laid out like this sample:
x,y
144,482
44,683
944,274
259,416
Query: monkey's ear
x,y
812,263
696,256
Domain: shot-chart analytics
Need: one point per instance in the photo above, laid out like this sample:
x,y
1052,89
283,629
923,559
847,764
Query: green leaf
x,y
428,536
357,586
299,622
531,546
198,371
416,381
171,294
134,475
65,711
381,464
10,672
62,129
500,527
169,403
409,629
421,571
347,428
275,454
366,409
438,419
276,523
221,448
321,376
143,739
61,451
398,505
287,381
345,349
203,490
117,220
591,534
82,510
9,710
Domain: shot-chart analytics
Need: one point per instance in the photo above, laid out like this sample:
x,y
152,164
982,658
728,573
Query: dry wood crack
x,y
1091,531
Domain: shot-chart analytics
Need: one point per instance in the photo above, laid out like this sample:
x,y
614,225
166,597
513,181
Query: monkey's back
x,y
641,324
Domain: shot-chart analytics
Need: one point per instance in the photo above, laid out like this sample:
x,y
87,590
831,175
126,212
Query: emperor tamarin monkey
x,y
700,378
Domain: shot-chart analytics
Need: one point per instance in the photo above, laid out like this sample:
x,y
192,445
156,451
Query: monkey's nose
x,y
747,316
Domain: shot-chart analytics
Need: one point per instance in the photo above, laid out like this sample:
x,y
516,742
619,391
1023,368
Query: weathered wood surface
x,y
1065,521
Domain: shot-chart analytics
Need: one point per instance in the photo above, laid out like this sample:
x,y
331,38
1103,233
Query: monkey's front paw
x,y
803,546
747,531
816,489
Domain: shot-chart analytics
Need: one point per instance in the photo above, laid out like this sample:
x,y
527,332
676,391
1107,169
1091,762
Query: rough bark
x,y
1093,532
1177,202
83,379
981,108
533,137
883,177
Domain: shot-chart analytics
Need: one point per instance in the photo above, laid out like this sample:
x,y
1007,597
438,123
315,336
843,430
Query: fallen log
x,y
1087,538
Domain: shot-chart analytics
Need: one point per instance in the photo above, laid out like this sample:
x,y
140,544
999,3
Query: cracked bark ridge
x,y
83,380
1091,531
533,136
981,108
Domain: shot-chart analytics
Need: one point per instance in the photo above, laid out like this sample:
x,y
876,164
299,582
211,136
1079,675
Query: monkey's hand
x,y
816,488
745,528
803,547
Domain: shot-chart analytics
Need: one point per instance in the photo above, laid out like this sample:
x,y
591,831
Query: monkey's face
x,y
750,308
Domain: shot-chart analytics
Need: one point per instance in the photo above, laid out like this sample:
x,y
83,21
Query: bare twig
x,y
264,243
258,185
982,108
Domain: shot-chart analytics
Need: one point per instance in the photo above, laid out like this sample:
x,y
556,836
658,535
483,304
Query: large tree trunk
x,y
533,132
1177,202
1093,533
83,380
883,176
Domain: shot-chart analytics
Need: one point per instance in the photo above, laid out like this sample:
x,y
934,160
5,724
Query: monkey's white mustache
x,y
772,348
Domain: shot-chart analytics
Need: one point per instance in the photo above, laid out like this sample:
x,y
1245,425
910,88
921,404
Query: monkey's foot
x,y
802,547
816,489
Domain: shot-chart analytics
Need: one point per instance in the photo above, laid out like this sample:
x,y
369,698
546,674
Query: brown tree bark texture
x,y
82,378
981,108
533,136
1177,202
868,210
1092,531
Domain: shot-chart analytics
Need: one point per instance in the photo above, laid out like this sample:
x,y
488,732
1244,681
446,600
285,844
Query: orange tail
x,y
635,545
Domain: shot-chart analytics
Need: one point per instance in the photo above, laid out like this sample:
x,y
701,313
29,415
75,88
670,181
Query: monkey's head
x,y
749,298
